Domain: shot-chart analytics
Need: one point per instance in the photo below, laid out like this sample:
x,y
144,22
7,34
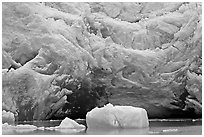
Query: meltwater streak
x,y
157,126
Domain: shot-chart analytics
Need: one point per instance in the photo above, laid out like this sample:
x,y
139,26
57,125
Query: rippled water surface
x,y
157,126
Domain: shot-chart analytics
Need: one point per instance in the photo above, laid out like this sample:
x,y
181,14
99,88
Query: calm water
x,y
157,126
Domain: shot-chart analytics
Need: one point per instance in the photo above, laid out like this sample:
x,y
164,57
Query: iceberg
x,y
111,116
71,124
68,126
8,117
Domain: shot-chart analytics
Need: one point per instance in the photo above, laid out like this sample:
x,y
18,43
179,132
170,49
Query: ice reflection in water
x,y
142,131
157,126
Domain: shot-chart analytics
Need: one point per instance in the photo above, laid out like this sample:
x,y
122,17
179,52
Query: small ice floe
x,y
6,128
41,128
68,126
111,116
8,117
196,120
170,130
71,124
6,125
165,131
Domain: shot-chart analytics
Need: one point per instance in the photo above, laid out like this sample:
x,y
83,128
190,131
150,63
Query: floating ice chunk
x,y
6,125
50,128
7,129
26,126
170,130
69,123
111,116
8,117
41,128
68,126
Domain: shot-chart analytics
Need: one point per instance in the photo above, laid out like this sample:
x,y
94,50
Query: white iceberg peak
x,y
71,124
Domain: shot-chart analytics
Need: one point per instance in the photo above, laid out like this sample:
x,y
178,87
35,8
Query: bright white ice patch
x,y
69,123
111,116
8,117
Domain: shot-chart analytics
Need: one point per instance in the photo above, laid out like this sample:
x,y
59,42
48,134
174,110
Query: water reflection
x,y
143,131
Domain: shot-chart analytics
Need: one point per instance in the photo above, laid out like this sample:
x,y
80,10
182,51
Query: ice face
x,y
150,56
111,116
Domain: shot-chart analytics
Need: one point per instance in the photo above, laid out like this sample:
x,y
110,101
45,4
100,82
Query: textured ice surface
x,y
111,116
150,55
8,117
